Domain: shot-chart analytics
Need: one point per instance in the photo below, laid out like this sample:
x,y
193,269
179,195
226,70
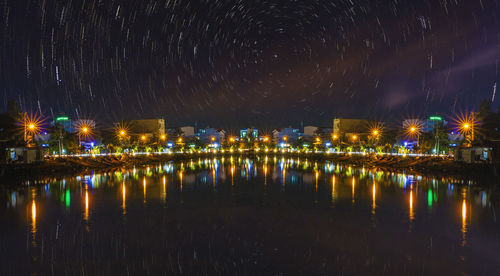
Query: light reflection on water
x,y
266,182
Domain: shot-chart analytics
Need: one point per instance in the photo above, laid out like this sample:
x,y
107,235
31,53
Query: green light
x,y
64,118
429,198
435,118
68,198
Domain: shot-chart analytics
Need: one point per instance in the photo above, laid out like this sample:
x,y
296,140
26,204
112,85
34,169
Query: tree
x,y
490,122
9,130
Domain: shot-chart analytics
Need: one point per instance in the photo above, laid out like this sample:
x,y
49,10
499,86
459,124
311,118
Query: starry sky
x,y
248,62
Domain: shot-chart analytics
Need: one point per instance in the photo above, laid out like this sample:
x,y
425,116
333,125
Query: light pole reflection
x,y
124,209
316,176
464,222
411,213
374,197
334,195
33,222
180,177
164,193
144,188
86,214
353,188
265,174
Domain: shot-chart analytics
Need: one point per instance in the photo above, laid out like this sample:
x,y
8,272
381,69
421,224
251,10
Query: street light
x,y
466,124
31,125
413,128
84,129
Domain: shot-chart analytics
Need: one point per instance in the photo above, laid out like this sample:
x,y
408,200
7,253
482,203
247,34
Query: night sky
x,y
254,62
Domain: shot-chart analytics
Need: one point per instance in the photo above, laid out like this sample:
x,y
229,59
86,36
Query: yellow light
x,y
122,133
266,139
413,127
32,125
179,140
411,213
33,211
375,132
318,139
123,199
335,137
86,215
466,126
464,211
285,138
143,137
85,128
354,137
212,138
163,137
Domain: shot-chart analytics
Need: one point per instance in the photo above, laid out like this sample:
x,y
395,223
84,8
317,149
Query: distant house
x,y
24,155
148,127
187,131
286,135
350,127
212,136
310,131
474,155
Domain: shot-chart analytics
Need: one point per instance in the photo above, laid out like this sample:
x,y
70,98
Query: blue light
x,y
328,144
170,145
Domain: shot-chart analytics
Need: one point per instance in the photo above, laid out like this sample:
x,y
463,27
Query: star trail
x,y
260,62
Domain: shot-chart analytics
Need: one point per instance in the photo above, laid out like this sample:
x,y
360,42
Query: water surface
x,y
266,215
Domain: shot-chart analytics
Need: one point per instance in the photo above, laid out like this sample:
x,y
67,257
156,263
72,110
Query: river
x,y
259,216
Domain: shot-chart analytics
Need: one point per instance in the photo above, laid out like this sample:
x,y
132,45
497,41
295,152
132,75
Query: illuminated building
x,y
212,136
249,133
433,122
350,128
66,122
286,135
148,127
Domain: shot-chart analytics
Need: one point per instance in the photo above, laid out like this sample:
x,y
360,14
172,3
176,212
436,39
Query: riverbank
x,y
431,165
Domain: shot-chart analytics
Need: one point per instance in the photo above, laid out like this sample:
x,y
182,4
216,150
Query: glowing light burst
x,y
466,124
413,127
31,124
122,130
376,129
85,128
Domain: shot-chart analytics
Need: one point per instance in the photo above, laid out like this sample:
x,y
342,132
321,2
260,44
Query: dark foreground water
x,y
249,216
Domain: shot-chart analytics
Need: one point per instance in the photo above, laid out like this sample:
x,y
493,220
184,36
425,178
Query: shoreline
x,y
426,165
